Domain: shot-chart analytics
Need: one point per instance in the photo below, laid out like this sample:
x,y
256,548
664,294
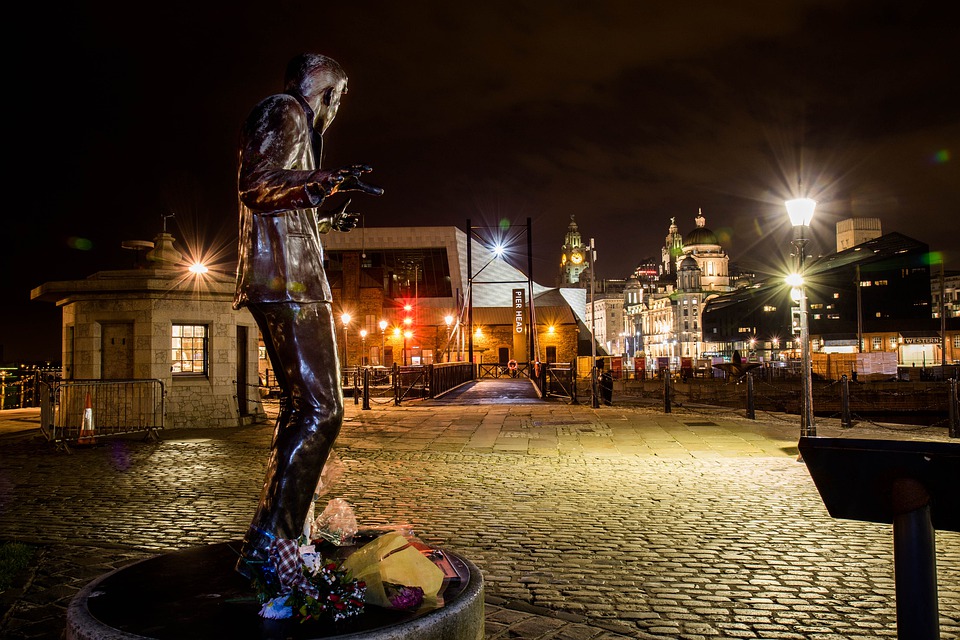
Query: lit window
x,y
865,283
880,283
893,342
768,308
877,343
833,316
189,345
956,341
816,306
817,316
836,294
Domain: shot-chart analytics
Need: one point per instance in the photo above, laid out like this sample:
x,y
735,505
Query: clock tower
x,y
575,256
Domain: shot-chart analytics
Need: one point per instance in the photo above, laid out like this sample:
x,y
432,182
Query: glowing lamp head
x,y
800,211
408,321
448,320
363,333
498,250
795,280
198,268
408,334
383,325
396,331
345,318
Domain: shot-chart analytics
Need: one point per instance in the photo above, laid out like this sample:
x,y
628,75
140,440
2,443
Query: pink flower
x,y
404,597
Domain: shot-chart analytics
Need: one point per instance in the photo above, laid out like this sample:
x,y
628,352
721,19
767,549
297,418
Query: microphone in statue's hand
x,y
351,180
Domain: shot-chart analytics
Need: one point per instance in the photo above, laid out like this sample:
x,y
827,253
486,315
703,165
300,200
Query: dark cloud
x,y
624,114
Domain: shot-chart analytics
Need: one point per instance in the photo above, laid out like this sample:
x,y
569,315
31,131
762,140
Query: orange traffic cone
x,y
86,430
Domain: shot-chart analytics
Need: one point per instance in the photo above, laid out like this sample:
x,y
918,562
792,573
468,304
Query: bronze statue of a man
x,y
281,280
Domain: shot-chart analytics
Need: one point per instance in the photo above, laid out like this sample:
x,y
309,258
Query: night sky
x,y
624,114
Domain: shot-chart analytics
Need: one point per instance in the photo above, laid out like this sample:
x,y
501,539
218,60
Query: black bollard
x,y
954,413
666,392
751,413
846,420
914,562
366,390
396,385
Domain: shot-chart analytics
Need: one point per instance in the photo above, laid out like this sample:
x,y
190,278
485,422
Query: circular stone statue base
x,y
196,594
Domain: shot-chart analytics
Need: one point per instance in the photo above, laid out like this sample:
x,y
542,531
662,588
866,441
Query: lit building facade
x,y
574,256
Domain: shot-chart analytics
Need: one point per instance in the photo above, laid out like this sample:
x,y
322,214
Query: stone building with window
x,y
165,323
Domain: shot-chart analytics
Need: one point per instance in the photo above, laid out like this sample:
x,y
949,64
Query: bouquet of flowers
x,y
391,571
298,582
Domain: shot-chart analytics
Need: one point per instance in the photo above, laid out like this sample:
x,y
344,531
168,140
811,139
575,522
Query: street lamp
x,y
801,211
363,345
345,318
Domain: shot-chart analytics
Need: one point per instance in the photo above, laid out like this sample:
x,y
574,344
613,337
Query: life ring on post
x,y
512,365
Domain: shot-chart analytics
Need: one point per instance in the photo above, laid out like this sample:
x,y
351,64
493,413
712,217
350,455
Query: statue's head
x,y
321,81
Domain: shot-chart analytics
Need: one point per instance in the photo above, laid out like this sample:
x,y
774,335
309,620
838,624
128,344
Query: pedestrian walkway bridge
x,y
491,391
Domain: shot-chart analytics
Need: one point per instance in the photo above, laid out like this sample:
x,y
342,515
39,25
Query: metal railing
x,y
448,375
78,410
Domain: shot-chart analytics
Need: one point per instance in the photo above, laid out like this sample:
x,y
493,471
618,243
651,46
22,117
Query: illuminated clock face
x,y
576,258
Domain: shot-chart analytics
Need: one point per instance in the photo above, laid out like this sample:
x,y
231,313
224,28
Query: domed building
x,y
702,244
695,268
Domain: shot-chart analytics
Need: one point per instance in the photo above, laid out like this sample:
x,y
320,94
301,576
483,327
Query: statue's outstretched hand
x,y
345,179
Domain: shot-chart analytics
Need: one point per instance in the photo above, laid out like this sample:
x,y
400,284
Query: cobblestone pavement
x,y
586,523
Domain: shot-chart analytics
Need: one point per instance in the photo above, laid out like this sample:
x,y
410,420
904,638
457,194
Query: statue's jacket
x,y
280,256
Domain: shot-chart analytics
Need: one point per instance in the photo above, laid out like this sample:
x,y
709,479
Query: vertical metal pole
x,y
807,425
469,292
845,419
366,390
954,412
915,575
533,355
751,413
594,399
943,327
396,385
666,392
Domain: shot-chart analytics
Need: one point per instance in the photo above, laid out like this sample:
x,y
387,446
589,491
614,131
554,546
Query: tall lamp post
x,y
363,346
406,336
345,319
383,339
801,211
448,320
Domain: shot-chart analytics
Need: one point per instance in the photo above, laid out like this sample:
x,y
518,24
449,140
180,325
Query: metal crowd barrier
x,y
80,411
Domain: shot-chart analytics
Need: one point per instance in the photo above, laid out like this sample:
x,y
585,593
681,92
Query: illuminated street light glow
x,y
795,280
198,268
383,325
448,320
801,211
345,318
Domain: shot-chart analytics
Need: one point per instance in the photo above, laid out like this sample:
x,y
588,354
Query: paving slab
x,y
600,523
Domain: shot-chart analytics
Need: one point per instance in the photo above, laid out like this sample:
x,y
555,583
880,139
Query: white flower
x,y
310,558
276,609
